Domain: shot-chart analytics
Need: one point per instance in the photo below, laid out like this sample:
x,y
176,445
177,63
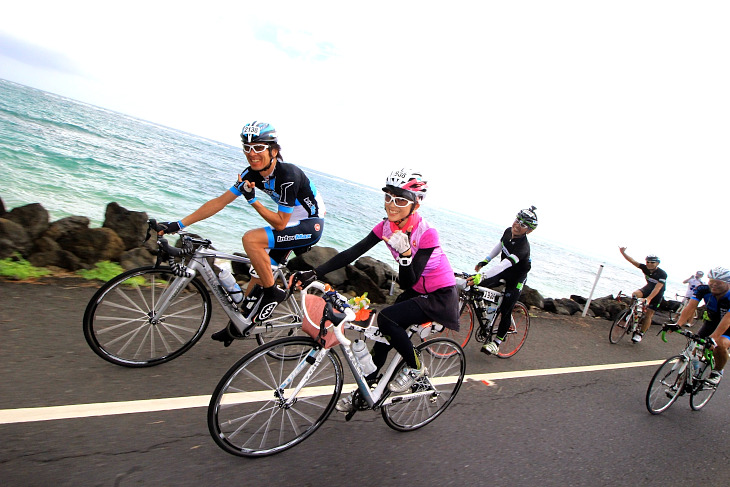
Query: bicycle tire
x,y
245,417
702,392
286,312
117,323
620,326
517,334
445,374
466,325
666,385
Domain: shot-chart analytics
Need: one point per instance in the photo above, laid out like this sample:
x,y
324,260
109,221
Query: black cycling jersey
x,y
652,278
517,250
715,308
288,186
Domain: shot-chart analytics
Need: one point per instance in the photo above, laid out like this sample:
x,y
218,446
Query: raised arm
x,y
628,257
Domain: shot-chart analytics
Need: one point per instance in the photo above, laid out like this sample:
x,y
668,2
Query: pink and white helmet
x,y
407,183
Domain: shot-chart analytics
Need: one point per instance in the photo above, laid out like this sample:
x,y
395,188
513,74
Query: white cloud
x,y
610,118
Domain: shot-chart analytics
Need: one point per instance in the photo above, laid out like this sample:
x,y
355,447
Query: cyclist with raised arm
x,y
423,271
716,319
514,251
653,291
295,226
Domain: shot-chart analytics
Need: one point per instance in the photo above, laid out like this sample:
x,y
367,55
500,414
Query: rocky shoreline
x,y
69,244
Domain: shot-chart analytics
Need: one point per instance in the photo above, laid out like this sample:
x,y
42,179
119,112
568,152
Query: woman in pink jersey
x,y
424,272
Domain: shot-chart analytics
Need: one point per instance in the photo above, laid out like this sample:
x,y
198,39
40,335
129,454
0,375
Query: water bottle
x,y
695,366
229,284
362,354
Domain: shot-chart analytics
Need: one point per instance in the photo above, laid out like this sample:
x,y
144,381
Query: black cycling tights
x,y
392,323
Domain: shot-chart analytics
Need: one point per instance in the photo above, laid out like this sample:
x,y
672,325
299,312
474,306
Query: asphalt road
x,y
576,428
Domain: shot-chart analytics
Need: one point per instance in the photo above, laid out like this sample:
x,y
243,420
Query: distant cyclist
x,y
716,319
515,263
296,225
423,271
653,291
692,282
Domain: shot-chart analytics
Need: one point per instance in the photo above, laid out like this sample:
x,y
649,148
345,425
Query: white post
x,y
598,274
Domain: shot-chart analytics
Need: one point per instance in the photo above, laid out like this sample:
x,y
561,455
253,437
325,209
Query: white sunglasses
x,y
398,201
257,148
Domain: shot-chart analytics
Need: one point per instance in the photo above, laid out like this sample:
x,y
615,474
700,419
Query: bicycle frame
x,y
375,398
489,298
637,310
688,352
198,264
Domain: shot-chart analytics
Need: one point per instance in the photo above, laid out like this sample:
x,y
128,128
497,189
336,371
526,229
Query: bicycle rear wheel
x,y
118,325
702,392
466,325
517,333
666,385
446,365
620,326
251,412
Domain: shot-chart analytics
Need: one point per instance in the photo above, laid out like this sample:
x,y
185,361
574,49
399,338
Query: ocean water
x,y
74,158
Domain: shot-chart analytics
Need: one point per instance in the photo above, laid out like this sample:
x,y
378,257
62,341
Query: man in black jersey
x,y
295,226
653,291
513,268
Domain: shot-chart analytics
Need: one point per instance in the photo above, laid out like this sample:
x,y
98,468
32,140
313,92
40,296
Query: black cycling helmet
x,y
652,258
258,132
528,217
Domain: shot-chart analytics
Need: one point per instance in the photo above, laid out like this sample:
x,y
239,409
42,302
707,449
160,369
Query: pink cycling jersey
x,y
438,272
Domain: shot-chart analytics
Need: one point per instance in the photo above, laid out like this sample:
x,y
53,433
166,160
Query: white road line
x,y
26,415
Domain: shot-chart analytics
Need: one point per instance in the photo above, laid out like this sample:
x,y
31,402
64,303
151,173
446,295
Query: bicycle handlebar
x,y
671,327
333,300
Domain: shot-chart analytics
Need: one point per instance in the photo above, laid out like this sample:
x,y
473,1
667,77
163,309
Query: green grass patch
x,y
105,270
20,269
102,271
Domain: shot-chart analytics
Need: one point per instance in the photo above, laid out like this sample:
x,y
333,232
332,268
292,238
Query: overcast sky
x,y
611,117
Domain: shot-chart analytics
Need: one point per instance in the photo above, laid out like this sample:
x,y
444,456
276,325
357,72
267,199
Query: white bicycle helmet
x,y
720,274
407,183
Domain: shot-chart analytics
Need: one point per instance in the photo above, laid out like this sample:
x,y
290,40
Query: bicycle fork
x,y
313,359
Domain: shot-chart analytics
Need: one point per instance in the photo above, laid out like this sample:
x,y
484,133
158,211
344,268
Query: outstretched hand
x,y
167,227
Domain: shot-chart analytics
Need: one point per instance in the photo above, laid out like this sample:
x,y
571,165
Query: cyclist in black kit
x,y
653,292
716,319
295,226
513,268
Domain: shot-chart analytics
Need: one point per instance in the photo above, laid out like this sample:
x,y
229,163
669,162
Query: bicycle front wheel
x,y
666,385
252,412
444,359
466,325
620,326
118,324
702,391
517,333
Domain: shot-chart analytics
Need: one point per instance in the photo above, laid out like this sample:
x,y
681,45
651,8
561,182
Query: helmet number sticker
x,y
251,130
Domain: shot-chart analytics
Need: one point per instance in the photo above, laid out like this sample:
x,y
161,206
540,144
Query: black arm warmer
x,y
346,256
408,275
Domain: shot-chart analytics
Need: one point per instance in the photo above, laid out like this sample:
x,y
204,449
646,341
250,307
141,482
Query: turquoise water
x,y
74,158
